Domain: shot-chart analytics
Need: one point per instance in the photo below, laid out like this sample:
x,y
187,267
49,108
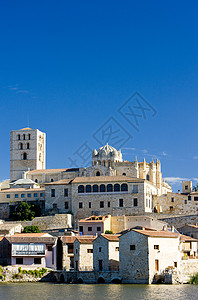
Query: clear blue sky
x,y
66,67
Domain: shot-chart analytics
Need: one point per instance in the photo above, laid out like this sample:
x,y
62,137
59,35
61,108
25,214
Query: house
x,y
106,253
146,253
65,253
94,225
190,230
83,253
5,251
33,250
188,247
9,228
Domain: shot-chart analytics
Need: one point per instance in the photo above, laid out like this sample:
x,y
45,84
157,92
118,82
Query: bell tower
x,y
27,151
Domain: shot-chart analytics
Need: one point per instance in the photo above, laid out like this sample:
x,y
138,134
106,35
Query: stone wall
x,y
51,222
181,220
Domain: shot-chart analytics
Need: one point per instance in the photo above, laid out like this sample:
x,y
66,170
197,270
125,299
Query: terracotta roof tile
x,y
187,238
46,171
85,239
160,233
68,239
111,237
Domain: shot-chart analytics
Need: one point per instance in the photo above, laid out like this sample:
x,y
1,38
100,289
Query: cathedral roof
x,y
106,150
27,128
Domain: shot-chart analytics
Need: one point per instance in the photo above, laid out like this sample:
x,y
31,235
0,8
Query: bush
x,y
108,232
29,229
194,279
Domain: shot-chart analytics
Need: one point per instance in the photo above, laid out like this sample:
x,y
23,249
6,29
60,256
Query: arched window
x,y
88,188
52,180
104,163
97,173
124,187
36,180
81,189
95,188
116,187
99,162
24,156
124,174
24,136
109,163
28,136
102,188
109,188
147,177
19,137
28,145
20,146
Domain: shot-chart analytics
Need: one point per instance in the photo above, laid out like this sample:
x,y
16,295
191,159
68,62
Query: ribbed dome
x,y
106,150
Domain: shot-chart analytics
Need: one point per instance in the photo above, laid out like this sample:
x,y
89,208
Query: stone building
x,y
106,253
27,151
94,225
190,230
67,252
83,253
144,254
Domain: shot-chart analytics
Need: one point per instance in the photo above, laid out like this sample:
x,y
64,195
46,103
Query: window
x,y
89,250
156,247
19,261
195,198
171,208
66,205
81,228
120,202
35,195
189,197
124,174
81,189
100,265
49,248
109,164
100,249
98,173
36,180
70,248
98,228
186,187
172,199
156,265
101,204
102,188
65,192
22,195
52,180
116,187
109,204
24,156
88,188
52,192
95,188
28,136
19,137
104,163
135,189
132,247
175,264
54,205
8,196
41,194
147,177
24,136
124,187
116,248
89,228
109,188
20,146
29,195
135,202
185,201
80,205
89,204
28,145
37,260
16,196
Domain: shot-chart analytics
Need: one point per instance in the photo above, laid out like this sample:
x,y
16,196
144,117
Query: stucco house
x,y
83,253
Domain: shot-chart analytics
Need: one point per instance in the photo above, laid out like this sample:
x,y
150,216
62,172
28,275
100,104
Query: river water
x,y
28,291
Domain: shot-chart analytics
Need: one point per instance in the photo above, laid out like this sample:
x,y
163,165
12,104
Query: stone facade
x,y
94,225
27,151
83,253
106,253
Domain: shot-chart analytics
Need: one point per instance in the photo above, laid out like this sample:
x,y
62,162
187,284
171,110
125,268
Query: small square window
x,y
37,261
22,195
16,196
89,250
195,198
19,261
35,195
132,247
171,208
185,201
8,195
54,205
186,187
80,205
49,248
116,248
156,247
98,228
89,228
189,198
172,199
29,195
101,204
41,194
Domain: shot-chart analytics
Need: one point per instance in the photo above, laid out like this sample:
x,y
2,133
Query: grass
x,y
194,279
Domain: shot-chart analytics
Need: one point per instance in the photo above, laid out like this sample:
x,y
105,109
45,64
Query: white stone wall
x,y
85,259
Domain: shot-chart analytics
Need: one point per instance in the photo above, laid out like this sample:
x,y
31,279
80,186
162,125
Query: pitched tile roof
x,y
187,238
59,182
46,171
85,179
111,237
85,239
157,233
68,239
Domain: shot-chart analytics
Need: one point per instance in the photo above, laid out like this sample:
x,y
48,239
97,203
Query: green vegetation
x,y
29,229
25,212
35,273
195,188
194,279
108,232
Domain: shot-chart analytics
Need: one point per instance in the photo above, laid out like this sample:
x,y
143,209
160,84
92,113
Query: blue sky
x,y
67,67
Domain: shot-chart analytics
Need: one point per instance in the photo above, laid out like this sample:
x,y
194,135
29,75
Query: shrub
x,y
29,229
194,279
108,232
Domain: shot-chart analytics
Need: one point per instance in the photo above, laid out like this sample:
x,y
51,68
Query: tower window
x,y
36,180
28,145
19,137
24,156
97,173
52,180
147,177
24,136
20,146
28,136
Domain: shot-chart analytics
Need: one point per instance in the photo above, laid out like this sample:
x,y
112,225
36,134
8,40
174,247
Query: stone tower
x,y
27,151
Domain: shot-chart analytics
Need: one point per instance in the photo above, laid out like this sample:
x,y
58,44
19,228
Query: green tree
x,y
29,229
195,188
23,212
